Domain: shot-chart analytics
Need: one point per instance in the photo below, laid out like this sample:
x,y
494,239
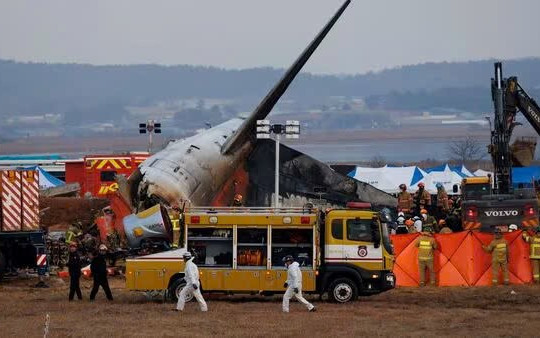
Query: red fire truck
x,y
22,243
96,173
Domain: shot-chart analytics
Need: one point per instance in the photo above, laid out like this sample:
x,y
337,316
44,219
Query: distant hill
x,y
81,90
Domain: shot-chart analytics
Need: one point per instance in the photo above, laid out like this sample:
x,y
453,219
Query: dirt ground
x,y
487,311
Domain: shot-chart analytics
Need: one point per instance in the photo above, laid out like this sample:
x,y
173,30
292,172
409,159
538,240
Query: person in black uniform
x,y
98,267
74,266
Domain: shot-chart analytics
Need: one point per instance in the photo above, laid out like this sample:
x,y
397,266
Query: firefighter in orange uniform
x,y
442,201
422,198
426,245
405,200
534,254
499,257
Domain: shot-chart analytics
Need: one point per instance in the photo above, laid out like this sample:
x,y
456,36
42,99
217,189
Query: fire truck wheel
x,y
343,290
176,287
2,265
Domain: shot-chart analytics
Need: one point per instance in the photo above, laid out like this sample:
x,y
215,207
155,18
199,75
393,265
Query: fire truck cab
x,y
342,252
96,173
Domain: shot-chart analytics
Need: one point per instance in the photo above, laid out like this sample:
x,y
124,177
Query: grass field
x,y
402,312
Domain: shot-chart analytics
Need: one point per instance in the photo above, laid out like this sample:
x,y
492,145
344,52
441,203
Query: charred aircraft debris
x,y
211,167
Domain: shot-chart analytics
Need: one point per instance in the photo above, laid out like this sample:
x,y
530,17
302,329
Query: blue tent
x,y
46,180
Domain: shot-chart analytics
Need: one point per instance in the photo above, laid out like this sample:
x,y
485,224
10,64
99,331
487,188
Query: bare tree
x,y
377,161
468,150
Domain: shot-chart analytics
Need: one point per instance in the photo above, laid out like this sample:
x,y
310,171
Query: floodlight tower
x,y
291,129
152,127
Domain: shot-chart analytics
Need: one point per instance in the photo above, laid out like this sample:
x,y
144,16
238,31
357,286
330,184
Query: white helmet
x,y
512,227
186,255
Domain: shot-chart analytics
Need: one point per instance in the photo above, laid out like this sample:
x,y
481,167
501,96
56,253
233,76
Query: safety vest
x,y
425,249
70,236
535,247
499,253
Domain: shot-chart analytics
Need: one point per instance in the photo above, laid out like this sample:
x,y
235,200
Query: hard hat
x,y
288,258
409,222
400,219
416,218
102,247
427,228
513,227
442,222
421,185
438,185
423,211
401,214
402,186
186,255
238,197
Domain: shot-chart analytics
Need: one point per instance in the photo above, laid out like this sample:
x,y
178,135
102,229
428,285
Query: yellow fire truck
x,y
345,252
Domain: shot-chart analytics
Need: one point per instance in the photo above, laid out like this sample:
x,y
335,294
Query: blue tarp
x,y
524,176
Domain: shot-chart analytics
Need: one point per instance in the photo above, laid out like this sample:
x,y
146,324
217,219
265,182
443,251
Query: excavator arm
x,y
517,96
508,97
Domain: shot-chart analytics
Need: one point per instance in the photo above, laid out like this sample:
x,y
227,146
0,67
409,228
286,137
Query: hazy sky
x,y
371,35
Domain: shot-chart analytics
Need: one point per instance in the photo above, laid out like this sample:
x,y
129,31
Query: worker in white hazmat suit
x,y
191,276
294,284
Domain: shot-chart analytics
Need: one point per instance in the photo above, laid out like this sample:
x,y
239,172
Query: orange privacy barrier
x,y
460,259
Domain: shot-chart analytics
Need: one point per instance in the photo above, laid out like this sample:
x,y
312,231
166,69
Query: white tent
x,y
463,170
482,172
388,178
448,178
